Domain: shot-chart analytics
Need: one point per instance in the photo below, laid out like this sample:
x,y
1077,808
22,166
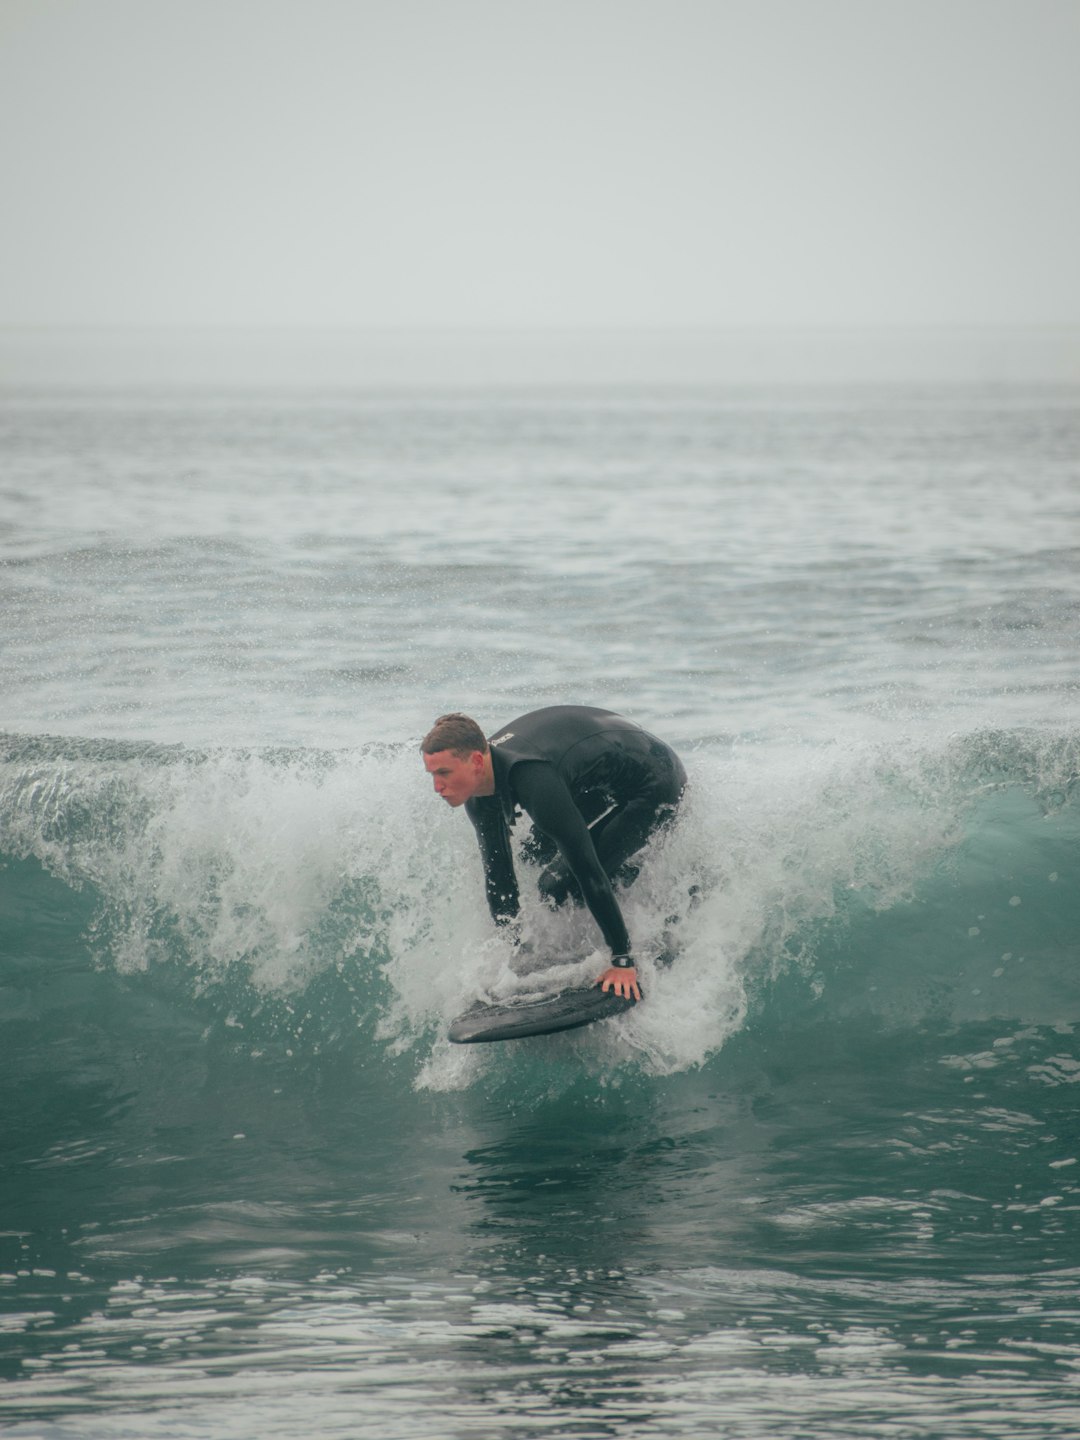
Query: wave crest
x,y
897,880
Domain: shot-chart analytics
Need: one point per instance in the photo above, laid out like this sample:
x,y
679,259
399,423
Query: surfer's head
x,y
459,733
456,756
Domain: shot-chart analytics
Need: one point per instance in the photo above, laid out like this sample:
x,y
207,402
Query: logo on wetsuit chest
x,y
500,738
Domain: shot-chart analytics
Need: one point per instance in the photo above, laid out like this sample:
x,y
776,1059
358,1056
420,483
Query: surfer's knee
x,y
557,885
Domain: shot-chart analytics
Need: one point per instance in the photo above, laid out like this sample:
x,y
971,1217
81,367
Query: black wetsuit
x,y
595,786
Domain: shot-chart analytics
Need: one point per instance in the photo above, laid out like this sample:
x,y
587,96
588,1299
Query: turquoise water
x,y
824,1182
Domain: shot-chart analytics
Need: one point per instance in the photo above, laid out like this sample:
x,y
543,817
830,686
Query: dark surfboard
x,y
515,1020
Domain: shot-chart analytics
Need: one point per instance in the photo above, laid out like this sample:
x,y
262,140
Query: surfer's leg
x,y
650,808
670,944
622,832
538,848
614,842
627,830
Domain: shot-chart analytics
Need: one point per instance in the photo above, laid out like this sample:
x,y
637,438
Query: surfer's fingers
x,y
626,989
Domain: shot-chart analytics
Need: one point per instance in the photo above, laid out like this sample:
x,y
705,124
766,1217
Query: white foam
x,y
282,867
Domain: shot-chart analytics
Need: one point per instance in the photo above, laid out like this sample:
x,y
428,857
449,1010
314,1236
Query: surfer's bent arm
x,y
500,880
546,798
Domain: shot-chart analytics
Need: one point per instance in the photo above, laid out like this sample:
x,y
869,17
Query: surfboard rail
x,y
518,1020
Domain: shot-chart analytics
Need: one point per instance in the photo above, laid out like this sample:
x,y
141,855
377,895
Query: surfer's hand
x,y
620,981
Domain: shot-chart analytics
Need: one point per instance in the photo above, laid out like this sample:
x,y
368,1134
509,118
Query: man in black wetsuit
x,y
596,787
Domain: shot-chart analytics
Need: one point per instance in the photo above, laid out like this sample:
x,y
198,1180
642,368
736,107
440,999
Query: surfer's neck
x,y
486,783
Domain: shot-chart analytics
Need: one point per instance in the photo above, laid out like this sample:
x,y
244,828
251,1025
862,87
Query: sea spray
x,y
329,883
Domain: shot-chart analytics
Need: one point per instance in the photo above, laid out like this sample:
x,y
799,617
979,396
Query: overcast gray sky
x,y
540,162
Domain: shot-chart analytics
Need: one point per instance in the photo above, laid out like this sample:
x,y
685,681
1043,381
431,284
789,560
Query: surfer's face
x,y
456,778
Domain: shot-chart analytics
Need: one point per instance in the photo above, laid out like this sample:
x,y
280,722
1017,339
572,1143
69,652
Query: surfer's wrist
x,y
623,962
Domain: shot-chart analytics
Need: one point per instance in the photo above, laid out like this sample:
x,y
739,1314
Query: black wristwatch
x,y
623,962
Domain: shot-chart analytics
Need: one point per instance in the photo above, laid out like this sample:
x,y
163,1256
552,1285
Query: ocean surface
x,y
824,1181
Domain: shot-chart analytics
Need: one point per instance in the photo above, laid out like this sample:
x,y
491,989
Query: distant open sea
x,y
824,1181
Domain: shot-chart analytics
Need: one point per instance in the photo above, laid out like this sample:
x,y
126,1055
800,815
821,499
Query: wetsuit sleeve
x,y
545,796
499,878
